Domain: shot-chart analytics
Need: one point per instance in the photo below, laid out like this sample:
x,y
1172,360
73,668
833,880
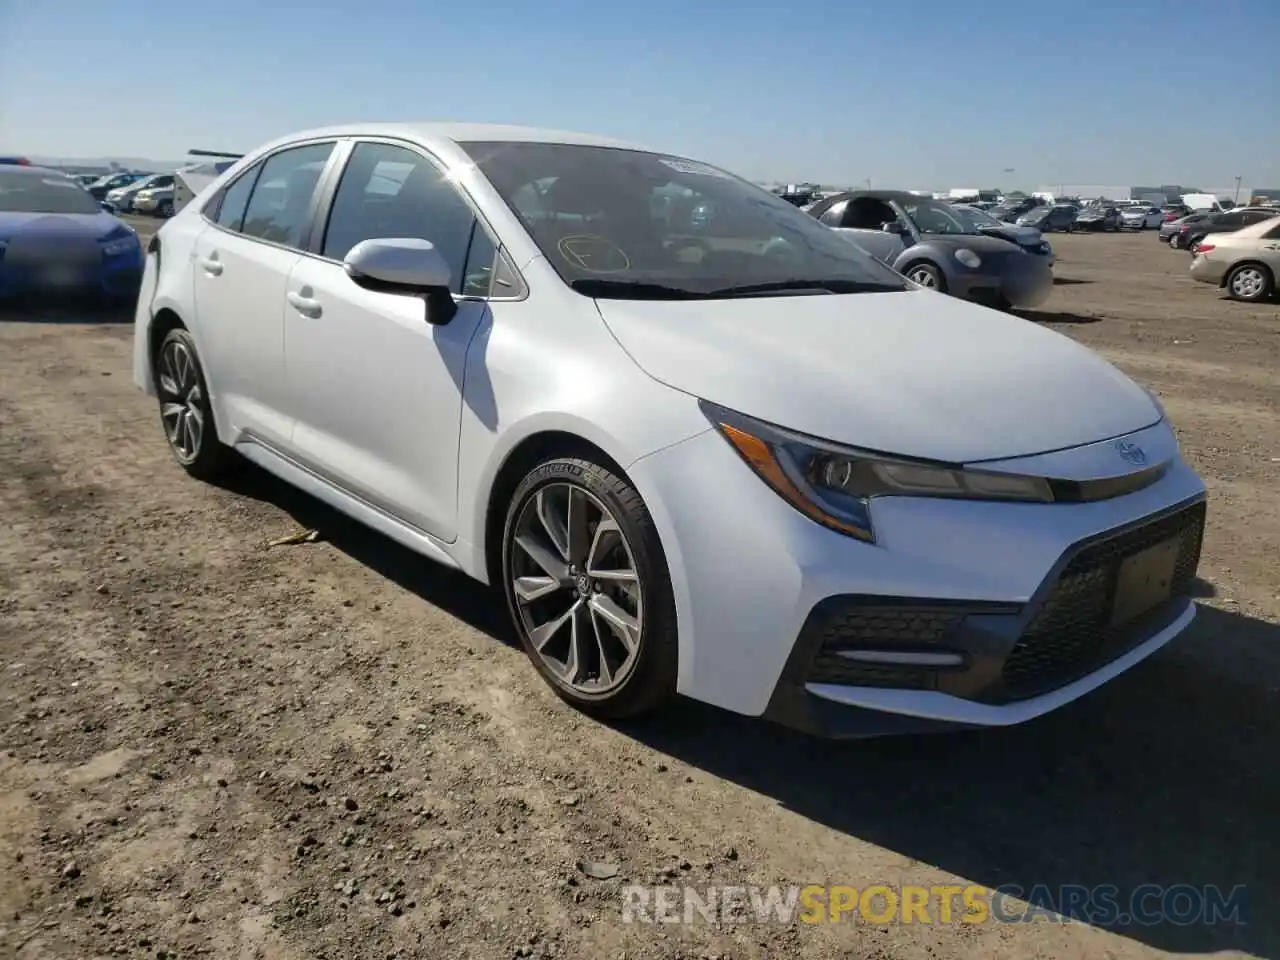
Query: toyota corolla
x,y
701,443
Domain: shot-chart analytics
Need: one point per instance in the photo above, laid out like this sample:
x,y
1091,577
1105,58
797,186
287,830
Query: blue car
x,y
56,240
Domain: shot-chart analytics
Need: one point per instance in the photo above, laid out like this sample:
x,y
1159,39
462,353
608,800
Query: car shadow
x,y
467,599
66,311
1061,316
1068,282
1166,775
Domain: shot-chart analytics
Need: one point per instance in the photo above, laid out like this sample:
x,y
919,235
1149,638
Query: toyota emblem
x,y
1130,452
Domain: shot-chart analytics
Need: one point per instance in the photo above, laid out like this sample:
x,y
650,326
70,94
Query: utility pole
x,y
1236,200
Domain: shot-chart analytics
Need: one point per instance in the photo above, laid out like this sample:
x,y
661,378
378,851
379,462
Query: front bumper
x,y
1208,271
1019,593
1022,280
93,275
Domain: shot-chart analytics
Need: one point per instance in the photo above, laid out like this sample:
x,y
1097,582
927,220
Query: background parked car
x,y
1098,216
1030,239
103,185
1245,262
935,246
1060,216
123,198
155,200
1010,210
1175,211
1171,227
1141,217
1192,232
58,241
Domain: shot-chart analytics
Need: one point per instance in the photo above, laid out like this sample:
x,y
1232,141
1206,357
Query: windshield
x,y
627,223
32,193
1035,213
930,216
978,218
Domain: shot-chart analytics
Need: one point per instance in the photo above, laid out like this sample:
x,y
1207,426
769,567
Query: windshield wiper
x,y
633,290
804,286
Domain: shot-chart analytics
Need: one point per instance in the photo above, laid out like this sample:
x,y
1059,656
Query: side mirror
x,y
406,266
108,207
894,226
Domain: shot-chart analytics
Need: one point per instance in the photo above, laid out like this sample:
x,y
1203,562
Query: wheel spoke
x,y
171,414
556,527
184,368
623,625
604,670
195,429
545,557
529,589
541,636
576,522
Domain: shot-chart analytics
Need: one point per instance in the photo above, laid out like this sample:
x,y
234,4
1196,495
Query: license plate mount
x,y
1145,581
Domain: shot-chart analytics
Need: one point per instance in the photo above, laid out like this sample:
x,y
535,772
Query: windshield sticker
x,y
692,167
594,254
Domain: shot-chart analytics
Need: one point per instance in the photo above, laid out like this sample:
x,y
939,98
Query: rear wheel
x,y
1250,282
588,589
185,411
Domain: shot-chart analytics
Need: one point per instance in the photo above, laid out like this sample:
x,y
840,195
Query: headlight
x,y
835,485
969,258
123,245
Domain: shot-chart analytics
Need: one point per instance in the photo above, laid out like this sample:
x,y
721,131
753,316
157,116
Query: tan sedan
x,y
1245,263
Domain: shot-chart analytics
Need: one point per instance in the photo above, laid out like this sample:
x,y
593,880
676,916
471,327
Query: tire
x,y
926,274
1250,282
1174,242
185,413
165,209
640,677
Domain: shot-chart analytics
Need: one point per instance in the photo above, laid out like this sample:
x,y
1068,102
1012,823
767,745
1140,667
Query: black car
x,y
100,187
1061,216
1191,231
1099,217
1011,210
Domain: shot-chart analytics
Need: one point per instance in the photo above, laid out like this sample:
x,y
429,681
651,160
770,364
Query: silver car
x,y
1141,217
935,246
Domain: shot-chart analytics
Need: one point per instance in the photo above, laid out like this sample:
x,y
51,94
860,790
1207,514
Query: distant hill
x,y
90,164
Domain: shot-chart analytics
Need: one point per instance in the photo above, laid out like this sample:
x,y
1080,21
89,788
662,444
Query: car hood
x,y
977,242
1023,235
919,373
95,226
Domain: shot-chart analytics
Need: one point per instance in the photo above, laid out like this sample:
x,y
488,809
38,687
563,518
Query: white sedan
x,y
1140,217
700,442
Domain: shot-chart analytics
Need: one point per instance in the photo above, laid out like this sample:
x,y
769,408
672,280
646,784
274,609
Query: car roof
x,y
34,171
435,133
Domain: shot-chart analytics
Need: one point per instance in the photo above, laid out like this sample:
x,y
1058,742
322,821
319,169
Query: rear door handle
x,y
305,305
211,265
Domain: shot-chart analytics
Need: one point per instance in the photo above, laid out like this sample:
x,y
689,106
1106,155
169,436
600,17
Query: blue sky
x,y
911,94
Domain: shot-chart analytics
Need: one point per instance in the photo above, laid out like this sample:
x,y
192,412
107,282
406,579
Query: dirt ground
x,y
214,747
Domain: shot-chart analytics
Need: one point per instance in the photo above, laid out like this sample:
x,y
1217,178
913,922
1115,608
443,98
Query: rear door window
x,y
279,209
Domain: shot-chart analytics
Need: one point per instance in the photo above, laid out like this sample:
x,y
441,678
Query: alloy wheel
x,y
1248,283
180,400
576,587
923,276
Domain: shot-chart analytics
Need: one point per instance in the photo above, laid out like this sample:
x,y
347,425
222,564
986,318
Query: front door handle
x,y
212,266
305,305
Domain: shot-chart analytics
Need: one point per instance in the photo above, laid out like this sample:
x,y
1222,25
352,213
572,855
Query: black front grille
x,y
1070,635
881,626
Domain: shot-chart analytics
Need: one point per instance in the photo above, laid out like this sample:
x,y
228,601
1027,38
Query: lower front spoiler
x,y
844,712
